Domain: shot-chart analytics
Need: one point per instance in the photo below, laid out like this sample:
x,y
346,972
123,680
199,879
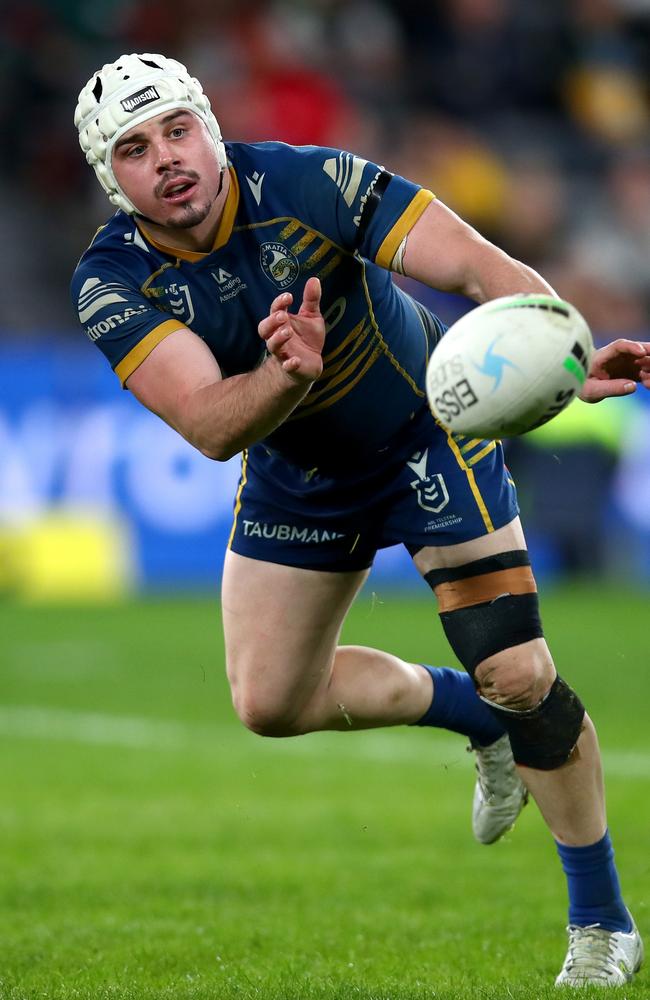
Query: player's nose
x,y
166,157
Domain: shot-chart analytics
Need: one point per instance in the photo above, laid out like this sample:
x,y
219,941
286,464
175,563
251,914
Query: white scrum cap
x,y
128,92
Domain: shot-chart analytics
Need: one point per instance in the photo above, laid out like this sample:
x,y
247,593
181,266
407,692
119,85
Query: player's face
x,y
168,168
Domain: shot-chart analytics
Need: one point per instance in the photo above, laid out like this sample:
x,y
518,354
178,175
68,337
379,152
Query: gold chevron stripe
x,y
318,255
482,453
342,392
344,343
335,366
339,377
303,242
289,229
329,267
470,444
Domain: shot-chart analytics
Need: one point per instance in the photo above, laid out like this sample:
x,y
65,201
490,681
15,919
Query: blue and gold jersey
x,y
291,212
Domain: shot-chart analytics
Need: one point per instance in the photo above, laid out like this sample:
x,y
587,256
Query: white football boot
x,y
597,957
499,795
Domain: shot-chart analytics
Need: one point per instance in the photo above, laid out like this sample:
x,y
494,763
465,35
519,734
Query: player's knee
x,y
490,614
264,715
517,678
541,714
544,737
261,707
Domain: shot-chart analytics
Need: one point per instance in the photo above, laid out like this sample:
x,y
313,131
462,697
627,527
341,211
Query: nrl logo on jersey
x,y
173,298
279,264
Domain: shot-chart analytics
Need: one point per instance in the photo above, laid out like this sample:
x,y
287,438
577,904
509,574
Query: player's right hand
x,y
296,339
616,368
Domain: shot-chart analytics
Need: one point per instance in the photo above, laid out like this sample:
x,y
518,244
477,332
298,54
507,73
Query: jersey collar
x,y
223,232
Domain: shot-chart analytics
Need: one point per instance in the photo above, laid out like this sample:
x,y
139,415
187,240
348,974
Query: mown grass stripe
x,y
141,733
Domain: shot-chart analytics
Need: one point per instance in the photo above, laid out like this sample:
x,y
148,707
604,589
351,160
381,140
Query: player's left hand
x,y
616,369
296,339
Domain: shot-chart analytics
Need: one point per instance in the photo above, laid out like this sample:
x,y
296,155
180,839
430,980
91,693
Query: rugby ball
x,y
508,366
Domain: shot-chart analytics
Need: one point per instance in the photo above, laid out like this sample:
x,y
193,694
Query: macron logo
x,y
255,184
138,100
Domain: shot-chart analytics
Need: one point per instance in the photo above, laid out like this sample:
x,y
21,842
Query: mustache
x,y
190,175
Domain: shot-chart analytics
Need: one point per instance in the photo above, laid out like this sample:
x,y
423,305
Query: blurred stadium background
x,y
532,120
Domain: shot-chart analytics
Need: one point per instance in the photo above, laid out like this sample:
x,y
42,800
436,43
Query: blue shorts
x,y
428,488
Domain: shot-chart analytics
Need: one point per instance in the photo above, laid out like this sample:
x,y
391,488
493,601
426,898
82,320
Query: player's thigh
x,y
281,627
509,538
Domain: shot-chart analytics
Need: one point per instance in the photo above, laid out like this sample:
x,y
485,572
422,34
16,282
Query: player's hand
x,y
296,339
616,369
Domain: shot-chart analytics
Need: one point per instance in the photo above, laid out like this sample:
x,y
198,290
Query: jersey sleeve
x,y
358,204
116,314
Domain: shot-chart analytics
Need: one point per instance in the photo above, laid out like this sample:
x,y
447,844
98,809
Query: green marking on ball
x,y
576,369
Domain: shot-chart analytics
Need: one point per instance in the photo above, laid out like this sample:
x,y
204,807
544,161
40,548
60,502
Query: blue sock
x,y
457,706
594,890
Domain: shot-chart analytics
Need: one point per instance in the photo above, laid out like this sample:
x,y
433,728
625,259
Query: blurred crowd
x,y
531,118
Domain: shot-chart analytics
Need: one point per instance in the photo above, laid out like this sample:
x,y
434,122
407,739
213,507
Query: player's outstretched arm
x,y
446,253
616,369
181,381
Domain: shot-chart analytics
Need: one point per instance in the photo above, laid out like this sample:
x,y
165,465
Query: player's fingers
x,y
597,389
282,301
270,324
639,347
311,298
618,348
278,340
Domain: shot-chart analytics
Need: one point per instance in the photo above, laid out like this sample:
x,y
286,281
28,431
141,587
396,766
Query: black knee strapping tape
x,y
488,564
545,737
485,629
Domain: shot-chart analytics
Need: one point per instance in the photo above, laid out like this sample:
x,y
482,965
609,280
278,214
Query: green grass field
x,y
150,847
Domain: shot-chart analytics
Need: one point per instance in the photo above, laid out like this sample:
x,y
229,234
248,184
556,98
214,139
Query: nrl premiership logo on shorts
x,y
431,490
136,101
279,264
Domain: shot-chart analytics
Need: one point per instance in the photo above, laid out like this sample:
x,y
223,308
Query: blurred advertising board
x,y
97,495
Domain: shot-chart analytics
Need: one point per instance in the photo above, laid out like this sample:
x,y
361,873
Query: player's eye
x,y
178,131
137,150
